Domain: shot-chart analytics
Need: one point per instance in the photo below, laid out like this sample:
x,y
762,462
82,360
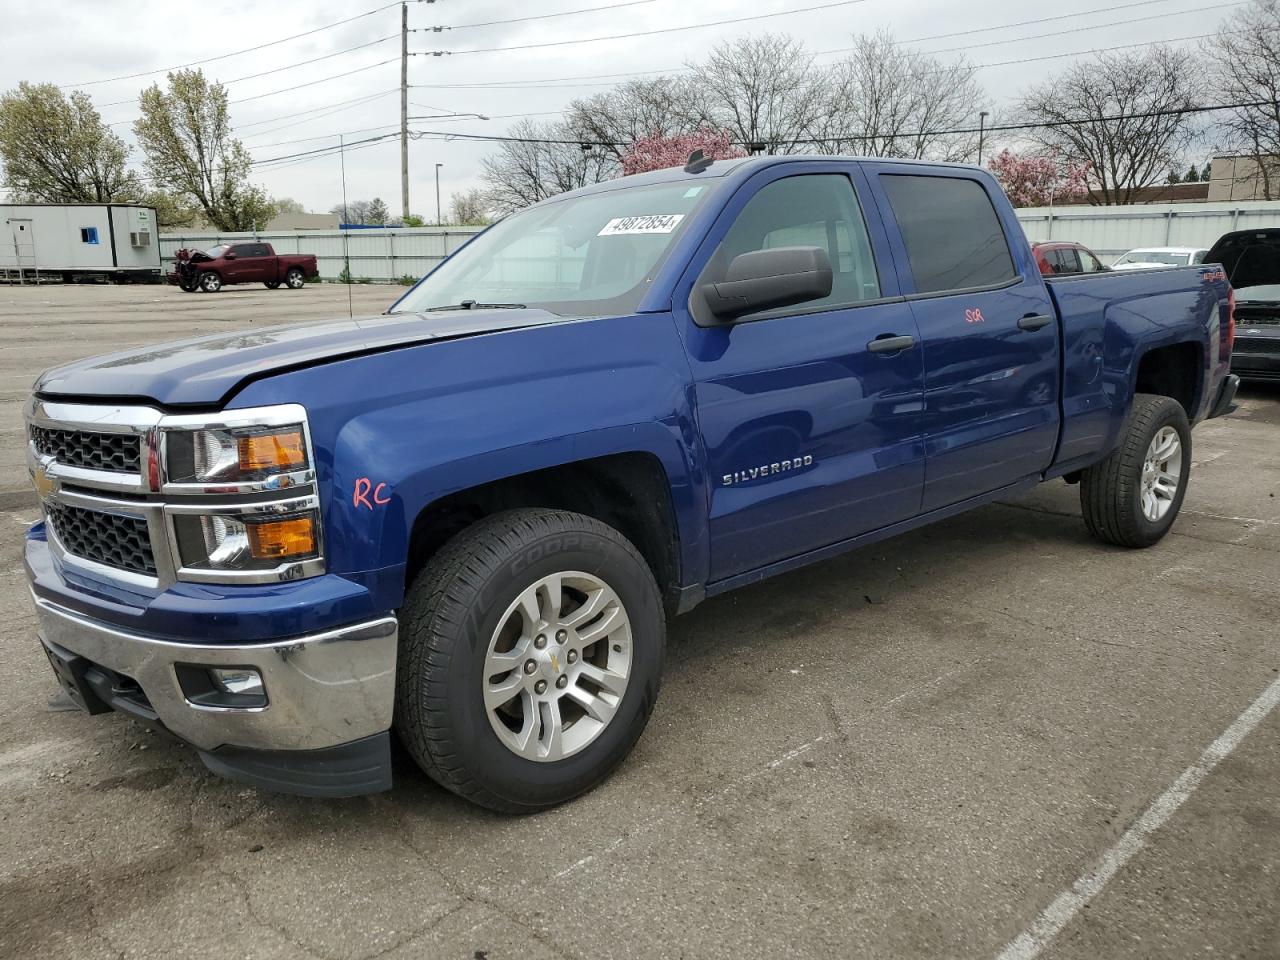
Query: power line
x,y
304,63
533,83
330,136
328,110
1100,26
312,83
234,53
1021,23
639,33
999,128
539,16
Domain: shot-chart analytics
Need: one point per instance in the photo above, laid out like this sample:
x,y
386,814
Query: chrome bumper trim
x,y
323,689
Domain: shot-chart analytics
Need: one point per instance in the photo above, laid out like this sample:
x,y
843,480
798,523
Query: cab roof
x,y
744,166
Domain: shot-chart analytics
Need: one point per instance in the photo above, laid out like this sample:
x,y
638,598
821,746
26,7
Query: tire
x,y
294,278
271,284
210,282
1117,494
450,630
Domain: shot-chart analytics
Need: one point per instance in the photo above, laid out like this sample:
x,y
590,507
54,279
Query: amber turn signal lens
x,y
272,451
280,539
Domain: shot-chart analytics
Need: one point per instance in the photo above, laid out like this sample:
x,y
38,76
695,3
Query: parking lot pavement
x,y
915,750
44,326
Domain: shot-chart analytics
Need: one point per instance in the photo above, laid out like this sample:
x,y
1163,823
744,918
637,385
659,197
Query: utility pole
x,y
438,166
982,129
404,110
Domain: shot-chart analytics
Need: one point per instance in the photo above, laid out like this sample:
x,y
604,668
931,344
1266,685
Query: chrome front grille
x,y
112,510
111,452
106,538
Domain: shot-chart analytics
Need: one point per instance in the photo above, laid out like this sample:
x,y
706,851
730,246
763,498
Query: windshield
x,y
587,256
1154,256
213,253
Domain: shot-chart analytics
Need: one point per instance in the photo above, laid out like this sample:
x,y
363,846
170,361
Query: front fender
x,y
396,431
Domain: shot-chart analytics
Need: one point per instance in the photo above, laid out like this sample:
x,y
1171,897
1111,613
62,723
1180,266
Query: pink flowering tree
x,y
1038,180
658,152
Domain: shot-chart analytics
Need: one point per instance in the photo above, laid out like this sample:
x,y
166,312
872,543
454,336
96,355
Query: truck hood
x,y
206,371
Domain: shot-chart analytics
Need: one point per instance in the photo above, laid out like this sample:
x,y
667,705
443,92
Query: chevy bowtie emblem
x,y
45,484
555,664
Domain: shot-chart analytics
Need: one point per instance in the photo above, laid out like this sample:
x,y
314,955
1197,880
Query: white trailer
x,y
43,241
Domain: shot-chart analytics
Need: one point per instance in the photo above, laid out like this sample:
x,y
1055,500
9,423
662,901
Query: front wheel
x,y
210,282
1133,496
294,278
531,655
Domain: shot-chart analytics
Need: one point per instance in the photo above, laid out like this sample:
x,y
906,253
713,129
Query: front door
x,y
989,331
811,436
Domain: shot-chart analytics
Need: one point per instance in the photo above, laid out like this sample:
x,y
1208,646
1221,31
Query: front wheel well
x,y
630,492
1174,371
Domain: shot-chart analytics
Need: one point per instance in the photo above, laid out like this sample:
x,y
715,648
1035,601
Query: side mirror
x,y
765,279
228,255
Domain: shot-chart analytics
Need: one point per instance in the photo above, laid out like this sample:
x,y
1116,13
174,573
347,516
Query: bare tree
x,y
539,161
663,106
885,100
353,211
469,208
762,89
1123,114
1247,58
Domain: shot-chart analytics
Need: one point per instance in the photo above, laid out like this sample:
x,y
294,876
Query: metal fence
x,y
1112,231
383,256
377,256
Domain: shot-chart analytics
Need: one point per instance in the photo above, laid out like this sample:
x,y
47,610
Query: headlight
x,y
234,455
245,543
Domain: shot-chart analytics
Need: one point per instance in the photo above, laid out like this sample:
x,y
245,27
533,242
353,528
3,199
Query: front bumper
x,y
1256,356
329,698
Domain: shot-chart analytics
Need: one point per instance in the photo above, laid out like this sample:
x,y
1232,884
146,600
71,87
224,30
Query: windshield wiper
x,y
474,305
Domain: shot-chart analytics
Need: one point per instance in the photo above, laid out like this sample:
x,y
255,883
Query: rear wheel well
x,y
1173,371
630,492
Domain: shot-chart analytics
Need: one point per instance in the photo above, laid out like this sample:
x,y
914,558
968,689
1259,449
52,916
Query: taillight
x,y
1231,320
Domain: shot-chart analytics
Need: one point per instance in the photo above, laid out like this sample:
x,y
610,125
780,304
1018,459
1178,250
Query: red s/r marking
x,y
365,486
974,316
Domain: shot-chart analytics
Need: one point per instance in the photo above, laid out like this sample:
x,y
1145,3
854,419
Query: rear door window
x,y
950,229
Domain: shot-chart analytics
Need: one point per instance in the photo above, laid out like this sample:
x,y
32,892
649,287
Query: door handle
x,y
888,343
1033,321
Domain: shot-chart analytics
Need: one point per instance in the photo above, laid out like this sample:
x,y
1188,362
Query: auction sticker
x,y
660,223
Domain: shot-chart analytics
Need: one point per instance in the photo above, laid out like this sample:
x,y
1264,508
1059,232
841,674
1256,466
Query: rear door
x,y
811,435
988,328
260,264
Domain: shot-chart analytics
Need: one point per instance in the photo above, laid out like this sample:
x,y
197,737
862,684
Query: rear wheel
x,y
1133,496
271,284
210,282
294,278
531,655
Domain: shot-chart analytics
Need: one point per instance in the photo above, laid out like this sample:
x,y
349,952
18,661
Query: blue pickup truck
x,y
468,519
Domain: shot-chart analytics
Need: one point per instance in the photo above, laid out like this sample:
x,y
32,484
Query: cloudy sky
x,y
282,105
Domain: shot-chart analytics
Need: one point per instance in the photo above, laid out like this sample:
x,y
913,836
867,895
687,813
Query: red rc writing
x,y
366,487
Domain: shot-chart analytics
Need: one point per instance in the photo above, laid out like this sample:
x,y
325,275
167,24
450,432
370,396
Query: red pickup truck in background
x,y
210,270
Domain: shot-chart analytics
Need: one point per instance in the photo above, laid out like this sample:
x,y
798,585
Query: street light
x,y
438,166
982,129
